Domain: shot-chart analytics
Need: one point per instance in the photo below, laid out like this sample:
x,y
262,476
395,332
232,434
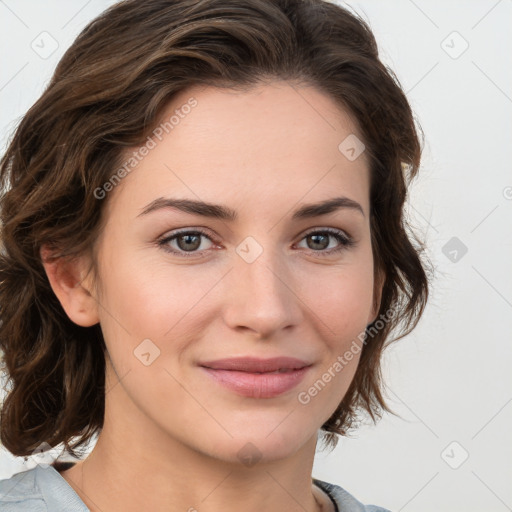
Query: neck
x,y
129,472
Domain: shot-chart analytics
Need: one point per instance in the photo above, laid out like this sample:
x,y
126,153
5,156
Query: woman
x,y
204,257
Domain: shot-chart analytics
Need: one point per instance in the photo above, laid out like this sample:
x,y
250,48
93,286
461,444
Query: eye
x,y
320,241
187,241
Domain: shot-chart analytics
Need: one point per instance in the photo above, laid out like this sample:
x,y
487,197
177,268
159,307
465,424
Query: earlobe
x,y
66,278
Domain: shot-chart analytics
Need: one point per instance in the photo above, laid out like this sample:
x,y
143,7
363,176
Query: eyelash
x,y
344,240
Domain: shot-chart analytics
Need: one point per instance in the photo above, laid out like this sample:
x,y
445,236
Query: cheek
x,y
339,298
137,292
152,300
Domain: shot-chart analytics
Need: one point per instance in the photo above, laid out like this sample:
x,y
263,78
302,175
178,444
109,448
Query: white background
x,y
450,380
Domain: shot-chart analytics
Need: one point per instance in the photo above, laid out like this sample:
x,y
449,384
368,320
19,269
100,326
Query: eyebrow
x,y
217,211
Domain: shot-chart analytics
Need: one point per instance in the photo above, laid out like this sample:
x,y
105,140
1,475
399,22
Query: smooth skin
x,y
172,435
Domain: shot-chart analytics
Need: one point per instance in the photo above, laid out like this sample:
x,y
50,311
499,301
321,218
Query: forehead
x,y
274,142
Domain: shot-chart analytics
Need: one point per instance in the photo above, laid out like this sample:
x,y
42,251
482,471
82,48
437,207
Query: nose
x,y
262,295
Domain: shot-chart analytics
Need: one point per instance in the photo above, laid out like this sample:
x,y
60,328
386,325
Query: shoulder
x,y
39,489
344,500
19,492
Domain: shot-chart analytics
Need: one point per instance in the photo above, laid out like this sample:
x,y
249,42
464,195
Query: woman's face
x,y
262,284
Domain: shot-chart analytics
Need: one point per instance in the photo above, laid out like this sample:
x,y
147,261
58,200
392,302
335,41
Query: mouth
x,y
256,365
257,378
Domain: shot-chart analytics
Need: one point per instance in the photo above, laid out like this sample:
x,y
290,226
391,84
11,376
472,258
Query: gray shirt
x,y
43,489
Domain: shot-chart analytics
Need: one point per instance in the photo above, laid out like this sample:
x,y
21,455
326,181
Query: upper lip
x,y
256,365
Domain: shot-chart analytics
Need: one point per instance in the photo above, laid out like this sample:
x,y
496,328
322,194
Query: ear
x,y
377,295
72,287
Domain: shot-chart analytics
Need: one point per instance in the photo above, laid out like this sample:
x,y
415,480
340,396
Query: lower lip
x,y
258,385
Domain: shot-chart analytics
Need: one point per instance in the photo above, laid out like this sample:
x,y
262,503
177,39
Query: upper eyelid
x,y
327,228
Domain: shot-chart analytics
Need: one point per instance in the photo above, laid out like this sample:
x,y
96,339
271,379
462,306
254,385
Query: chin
x,y
258,446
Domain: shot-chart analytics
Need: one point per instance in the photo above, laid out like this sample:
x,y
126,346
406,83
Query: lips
x,y
256,365
252,377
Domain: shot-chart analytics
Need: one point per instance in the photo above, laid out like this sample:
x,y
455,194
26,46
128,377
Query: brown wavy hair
x,y
106,95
